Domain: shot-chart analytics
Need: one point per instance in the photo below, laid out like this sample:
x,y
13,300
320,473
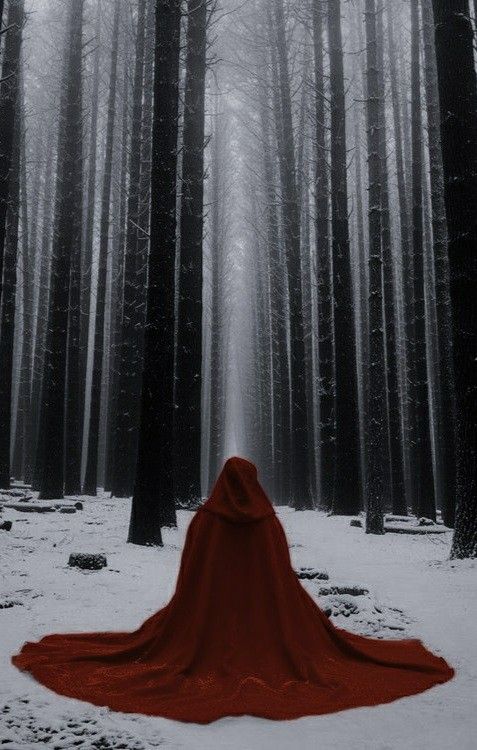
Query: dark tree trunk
x,y
26,268
126,432
277,294
458,107
376,479
404,226
87,254
304,193
31,295
300,469
36,436
7,323
421,452
153,500
362,259
145,179
117,281
278,271
347,491
216,309
91,478
8,99
394,493
66,249
74,384
446,461
187,416
324,277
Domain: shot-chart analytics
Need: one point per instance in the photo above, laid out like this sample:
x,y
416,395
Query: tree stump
x,y
87,561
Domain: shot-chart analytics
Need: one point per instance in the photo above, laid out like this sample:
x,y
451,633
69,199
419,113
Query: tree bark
x,y
116,312
87,254
66,249
300,469
324,276
153,500
348,490
446,461
188,381
395,495
8,94
7,324
91,476
458,124
421,452
376,409
126,431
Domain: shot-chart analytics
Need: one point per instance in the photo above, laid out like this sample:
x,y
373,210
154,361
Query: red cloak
x,y
239,636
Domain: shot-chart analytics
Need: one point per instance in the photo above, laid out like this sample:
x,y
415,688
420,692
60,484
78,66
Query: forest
x,y
241,228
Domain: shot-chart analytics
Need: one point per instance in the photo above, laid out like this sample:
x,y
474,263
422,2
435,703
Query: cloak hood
x,y
237,495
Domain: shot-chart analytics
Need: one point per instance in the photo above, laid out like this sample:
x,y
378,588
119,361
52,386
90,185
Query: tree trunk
x,y
446,461
324,277
153,501
66,249
348,491
280,287
300,469
117,281
395,495
216,309
87,254
187,416
404,227
26,266
421,452
7,324
126,431
458,107
8,99
91,478
36,435
376,489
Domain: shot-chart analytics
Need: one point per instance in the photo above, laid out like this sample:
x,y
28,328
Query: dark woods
x,y
241,228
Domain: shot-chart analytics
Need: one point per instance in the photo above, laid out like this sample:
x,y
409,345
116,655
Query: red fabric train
x,y
239,636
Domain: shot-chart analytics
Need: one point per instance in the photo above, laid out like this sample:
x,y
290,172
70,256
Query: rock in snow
x,y
87,561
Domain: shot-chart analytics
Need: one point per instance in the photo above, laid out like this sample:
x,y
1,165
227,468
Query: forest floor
x,y
414,591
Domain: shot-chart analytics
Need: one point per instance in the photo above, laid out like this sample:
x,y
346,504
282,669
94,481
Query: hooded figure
x,y
239,636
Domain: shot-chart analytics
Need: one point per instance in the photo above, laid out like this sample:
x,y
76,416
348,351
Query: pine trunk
x,y
188,381
347,491
324,277
91,476
446,461
7,322
421,451
66,249
377,457
153,501
300,469
458,124
8,99
126,430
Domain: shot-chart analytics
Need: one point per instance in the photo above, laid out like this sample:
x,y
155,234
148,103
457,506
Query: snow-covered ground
x,y
414,590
